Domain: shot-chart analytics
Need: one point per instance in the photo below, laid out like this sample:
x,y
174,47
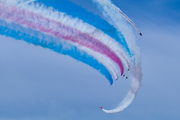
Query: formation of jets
x,y
125,75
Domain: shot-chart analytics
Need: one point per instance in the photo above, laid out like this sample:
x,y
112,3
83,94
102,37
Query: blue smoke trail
x,y
10,29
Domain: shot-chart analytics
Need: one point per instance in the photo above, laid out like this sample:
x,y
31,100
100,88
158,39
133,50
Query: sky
x,y
39,84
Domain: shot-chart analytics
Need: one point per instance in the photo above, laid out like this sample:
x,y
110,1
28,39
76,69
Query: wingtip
x,y
140,34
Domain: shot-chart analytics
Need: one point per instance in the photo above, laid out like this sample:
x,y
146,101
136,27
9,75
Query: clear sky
x,y
37,83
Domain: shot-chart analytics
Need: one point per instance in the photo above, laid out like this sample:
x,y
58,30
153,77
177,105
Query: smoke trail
x,y
27,18
37,38
117,20
83,40
59,25
97,22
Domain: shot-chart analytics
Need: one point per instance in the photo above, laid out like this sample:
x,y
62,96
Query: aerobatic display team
x,y
106,43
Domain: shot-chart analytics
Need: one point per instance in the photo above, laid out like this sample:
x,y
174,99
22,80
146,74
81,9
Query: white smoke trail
x,y
135,76
117,20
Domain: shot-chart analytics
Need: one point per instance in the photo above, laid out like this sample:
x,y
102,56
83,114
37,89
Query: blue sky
x,y
35,83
